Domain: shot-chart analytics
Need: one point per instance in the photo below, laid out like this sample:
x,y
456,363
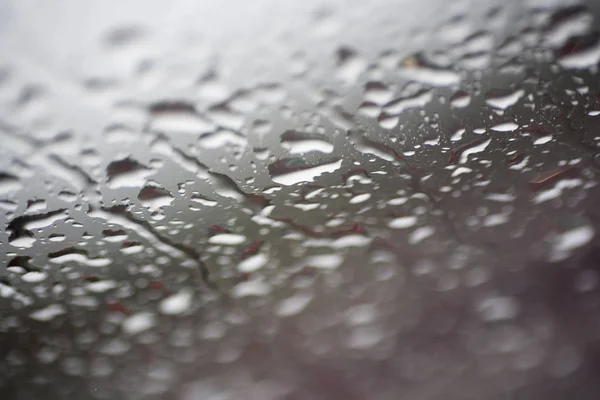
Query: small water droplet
x,y
291,171
349,65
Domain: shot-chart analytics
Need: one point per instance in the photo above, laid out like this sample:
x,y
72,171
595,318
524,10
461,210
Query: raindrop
x,y
221,138
290,171
349,65
9,184
503,99
177,117
324,261
227,239
566,23
299,142
177,303
505,127
460,99
253,263
201,200
421,234
138,323
418,100
402,222
364,337
251,288
362,314
574,238
48,313
580,52
542,140
127,173
155,197
224,116
419,69
378,93
360,198
498,308
293,305
34,276
101,286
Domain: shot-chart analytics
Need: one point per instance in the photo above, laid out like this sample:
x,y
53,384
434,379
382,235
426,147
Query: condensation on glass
x,y
299,200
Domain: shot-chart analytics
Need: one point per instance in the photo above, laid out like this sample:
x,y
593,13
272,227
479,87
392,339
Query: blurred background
x,y
314,200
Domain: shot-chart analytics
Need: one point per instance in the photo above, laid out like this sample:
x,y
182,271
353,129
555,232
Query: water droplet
x,y
253,263
566,23
364,337
498,308
48,313
300,142
226,117
542,140
155,197
23,242
505,127
360,198
293,305
177,303
378,93
574,238
34,276
503,99
227,239
101,286
178,117
496,219
127,173
460,99
291,171
138,323
418,100
349,65
77,256
9,184
197,199
402,222
324,261
221,138
420,234
580,52
362,314
419,69
251,288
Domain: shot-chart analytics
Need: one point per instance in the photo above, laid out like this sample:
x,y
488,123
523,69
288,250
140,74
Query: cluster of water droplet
x,y
334,220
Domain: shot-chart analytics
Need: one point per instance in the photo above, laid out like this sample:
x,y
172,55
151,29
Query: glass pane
x,y
299,200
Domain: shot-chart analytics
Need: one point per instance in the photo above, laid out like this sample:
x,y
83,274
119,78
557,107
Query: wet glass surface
x,y
314,200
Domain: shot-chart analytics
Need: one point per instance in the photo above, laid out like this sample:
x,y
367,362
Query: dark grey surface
x,y
155,245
